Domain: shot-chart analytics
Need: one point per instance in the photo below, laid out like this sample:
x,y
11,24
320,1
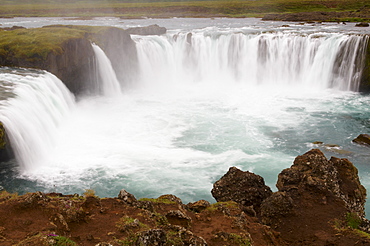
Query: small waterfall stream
x,y
108,83
203,100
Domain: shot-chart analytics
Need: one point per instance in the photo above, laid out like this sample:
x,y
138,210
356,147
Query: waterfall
x,y
36,104
108,80
319,61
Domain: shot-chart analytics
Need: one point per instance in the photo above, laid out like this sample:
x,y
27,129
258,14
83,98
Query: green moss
x,y
158,200
239,239
61,241
127,224
35,44
174,238
219,206
4,196
353,221
362,233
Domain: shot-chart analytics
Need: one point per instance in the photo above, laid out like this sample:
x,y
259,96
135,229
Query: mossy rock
x,y
36,44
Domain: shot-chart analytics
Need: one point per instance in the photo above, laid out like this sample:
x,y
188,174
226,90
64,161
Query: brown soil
x,y
35,219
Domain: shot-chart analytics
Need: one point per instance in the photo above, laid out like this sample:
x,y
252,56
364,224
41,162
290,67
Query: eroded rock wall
x,y
365,79
71,57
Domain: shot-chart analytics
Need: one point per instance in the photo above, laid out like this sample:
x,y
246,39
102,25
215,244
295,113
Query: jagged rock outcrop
x,y
362,24
365,78
38,218
245,188
148,30
313,173
363,139
74,66
318,202
314,188
6,152
66,52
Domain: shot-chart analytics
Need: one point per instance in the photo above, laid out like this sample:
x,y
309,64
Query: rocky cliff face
x,y
75,66
66,52
121,50
365,79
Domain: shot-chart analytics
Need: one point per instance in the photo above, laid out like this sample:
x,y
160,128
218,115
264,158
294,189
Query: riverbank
x,y
327,10
318,202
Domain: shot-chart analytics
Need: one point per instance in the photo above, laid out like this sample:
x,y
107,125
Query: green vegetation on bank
x,y
36,43
174,8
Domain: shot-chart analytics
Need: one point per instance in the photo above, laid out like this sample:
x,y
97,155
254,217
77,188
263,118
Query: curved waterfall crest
x,y
319,60
200,101
31,117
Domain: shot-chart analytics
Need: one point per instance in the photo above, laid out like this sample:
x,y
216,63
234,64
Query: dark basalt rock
x,y
362,24
152,237
148,30
127,197
363,139
74,66
313,173
279,204
198,206
176,217
244,188
6,151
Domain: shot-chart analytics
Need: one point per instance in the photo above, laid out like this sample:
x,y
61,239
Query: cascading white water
x,y
108,80
273,59
32,116
203,102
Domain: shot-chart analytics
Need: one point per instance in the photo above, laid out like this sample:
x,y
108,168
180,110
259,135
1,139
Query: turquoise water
x,y
195,110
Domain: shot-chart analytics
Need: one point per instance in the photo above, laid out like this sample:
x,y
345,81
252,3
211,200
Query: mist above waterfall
x,y
203,99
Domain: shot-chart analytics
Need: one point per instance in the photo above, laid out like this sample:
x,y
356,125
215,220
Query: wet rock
x,y
6,151
148,30
198,206
189,38
244,188
127,197
153,237
362,24
363,139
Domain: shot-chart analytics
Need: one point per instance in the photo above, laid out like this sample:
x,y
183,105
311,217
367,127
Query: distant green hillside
x,y
355,9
